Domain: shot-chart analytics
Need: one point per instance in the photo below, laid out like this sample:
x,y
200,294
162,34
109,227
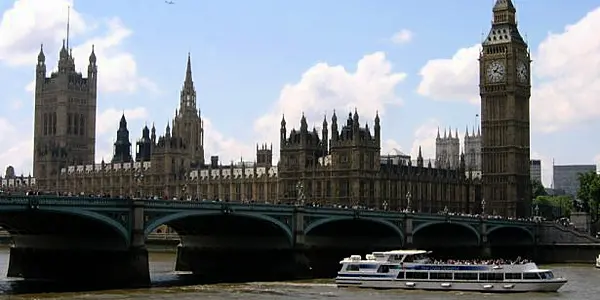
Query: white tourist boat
x,y
414,270
598,261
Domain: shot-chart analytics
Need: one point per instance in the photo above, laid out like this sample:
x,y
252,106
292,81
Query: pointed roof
x,y
123,122
189,82
504,5
41,56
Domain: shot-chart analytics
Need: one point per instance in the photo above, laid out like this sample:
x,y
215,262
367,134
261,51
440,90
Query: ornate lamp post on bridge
x,y
536,210
300,196
408,200
483,207
385,205
184,192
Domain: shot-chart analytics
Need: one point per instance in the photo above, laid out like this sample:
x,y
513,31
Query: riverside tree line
x,y
560,206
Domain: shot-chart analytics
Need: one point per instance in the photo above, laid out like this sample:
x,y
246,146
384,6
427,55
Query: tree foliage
x,y
589,193
537,189
554,207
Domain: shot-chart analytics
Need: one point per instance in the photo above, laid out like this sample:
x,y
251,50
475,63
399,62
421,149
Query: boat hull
x,y
552,285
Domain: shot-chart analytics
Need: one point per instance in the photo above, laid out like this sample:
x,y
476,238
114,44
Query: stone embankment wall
x,y
552,234
558,244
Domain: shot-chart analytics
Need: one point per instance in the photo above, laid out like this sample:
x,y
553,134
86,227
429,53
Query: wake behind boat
x,y
413,269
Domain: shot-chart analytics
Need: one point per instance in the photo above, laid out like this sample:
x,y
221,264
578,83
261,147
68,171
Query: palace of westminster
x,y
341,165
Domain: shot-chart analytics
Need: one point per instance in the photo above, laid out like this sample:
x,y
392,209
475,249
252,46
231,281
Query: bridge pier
x,y
486,248
94,267
242,264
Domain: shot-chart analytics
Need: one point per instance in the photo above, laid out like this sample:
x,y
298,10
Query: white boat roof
x,y
404,252
537,270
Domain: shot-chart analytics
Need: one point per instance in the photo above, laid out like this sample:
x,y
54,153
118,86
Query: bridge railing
x,y
214,205
36,200
58,200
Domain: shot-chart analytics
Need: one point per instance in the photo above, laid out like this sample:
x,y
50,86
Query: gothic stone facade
x,y
343,168
447,150
172,165
505,89
65,116
346,169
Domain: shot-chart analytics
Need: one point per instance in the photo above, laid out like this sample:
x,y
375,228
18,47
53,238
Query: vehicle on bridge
x,y
414,270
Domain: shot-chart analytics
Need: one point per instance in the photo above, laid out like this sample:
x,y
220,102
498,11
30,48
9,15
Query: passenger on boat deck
x,y
518,261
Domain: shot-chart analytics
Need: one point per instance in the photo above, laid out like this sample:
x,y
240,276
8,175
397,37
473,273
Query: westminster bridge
x,y
84,238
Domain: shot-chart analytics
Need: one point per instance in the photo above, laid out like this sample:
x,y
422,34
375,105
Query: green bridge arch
x,y
461,224
523,229
324,221
90,215
185,214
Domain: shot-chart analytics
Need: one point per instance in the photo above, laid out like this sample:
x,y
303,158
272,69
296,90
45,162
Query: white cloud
x,y
566,78
568,66
391,147
28,23
31,22
227,148
17,148
324,88
402,37
117,69
424,137
453,79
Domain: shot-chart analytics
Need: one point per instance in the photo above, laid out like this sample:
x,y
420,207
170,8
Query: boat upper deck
x,y
419,260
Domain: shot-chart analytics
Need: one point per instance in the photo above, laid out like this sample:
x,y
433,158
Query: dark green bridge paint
x,y
83,238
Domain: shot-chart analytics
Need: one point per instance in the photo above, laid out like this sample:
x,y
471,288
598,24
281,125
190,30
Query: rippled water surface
x,y
583,284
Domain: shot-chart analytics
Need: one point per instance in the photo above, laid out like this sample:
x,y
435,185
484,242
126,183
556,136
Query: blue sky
x,y
413,61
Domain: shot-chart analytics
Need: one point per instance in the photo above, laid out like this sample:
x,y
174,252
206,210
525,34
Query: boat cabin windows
x,y
415,258
512,276
352,267
547,275
491,276
387,268
531,276
400,275
440,275
417,275
358,267
465,276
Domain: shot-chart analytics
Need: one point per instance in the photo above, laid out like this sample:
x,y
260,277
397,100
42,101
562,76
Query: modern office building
x,y
535,169
566,177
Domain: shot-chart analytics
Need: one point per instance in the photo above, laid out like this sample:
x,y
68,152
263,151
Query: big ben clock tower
x,y
505,88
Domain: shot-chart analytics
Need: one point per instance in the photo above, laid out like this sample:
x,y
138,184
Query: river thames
x,y
583,284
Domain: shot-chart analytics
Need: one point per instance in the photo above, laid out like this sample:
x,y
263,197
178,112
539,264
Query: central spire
x,y
189,82
188,93
68,24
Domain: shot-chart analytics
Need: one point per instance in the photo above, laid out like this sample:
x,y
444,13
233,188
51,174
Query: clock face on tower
x,y
495,71
522,72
